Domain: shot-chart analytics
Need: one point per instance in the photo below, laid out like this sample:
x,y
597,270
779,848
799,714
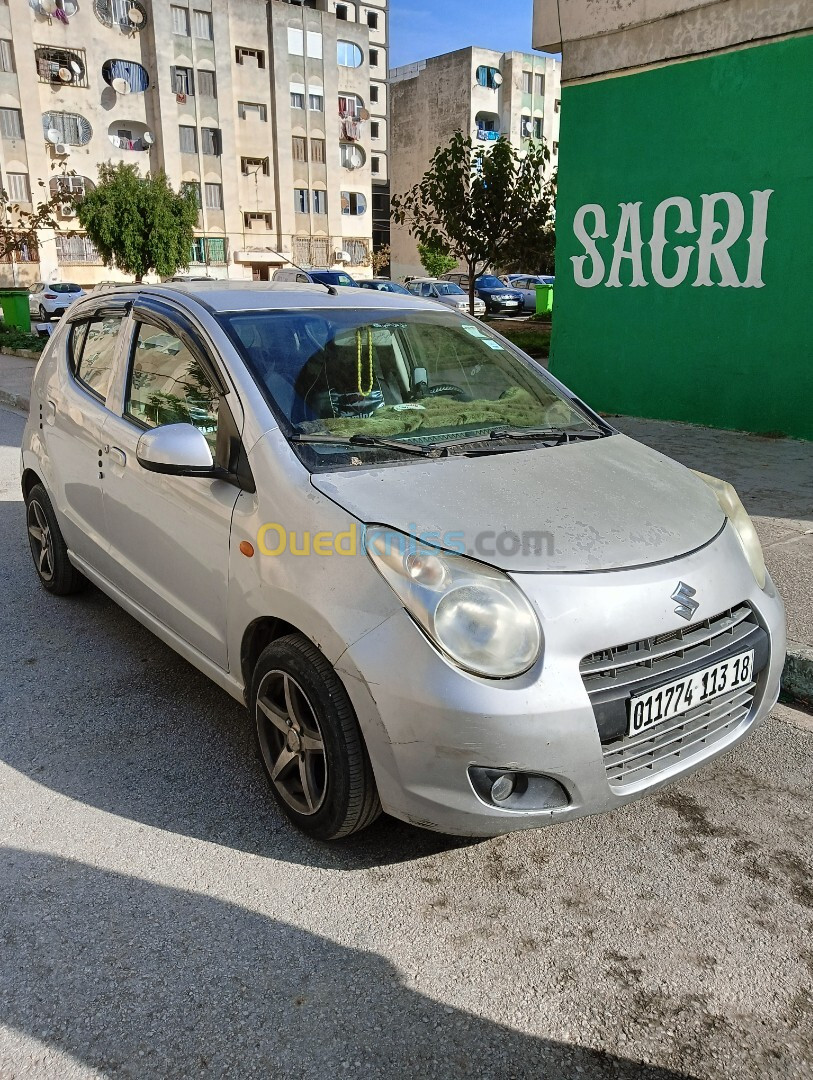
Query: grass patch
x,y
533,340
18,339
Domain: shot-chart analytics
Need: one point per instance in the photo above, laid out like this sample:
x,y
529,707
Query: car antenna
x,y
332,290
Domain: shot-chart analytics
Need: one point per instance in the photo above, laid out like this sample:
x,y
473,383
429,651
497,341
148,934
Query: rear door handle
x,y
117,455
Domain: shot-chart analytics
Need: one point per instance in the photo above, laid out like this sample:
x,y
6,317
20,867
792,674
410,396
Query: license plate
x,y
510,303
665,702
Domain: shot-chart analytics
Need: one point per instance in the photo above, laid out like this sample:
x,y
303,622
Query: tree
x,y
380,259
477,202
435,261
138,222
19,227
533,250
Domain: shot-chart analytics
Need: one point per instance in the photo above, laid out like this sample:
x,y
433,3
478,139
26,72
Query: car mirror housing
x,y
175,449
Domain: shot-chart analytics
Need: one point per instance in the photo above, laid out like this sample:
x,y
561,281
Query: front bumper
x,y
426,722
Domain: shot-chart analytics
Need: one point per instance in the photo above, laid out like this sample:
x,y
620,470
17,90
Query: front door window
x,y
168,385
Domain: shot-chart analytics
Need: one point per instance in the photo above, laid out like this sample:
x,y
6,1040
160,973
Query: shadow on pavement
x,y
136,979
94,706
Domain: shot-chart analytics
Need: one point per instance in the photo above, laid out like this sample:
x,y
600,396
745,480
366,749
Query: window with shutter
x,y
11,124
188,139
214,196
210,141
207,87
202,22
180,20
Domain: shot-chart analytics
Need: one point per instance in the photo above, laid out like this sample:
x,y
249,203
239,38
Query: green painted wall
x,y
729,355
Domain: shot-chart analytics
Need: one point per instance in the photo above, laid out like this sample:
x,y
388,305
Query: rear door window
x,y
93,353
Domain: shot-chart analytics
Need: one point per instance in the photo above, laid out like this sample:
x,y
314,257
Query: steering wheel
x,y
444,389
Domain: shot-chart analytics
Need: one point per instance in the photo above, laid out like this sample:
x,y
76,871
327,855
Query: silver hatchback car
x,y
442,585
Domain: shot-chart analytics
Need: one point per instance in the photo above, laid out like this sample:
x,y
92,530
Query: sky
x,y
423,28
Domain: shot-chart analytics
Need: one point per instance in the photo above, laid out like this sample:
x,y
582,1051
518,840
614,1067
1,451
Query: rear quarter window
x,y
92,353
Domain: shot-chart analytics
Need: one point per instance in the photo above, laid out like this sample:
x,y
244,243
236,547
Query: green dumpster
x,y
14,303
544,299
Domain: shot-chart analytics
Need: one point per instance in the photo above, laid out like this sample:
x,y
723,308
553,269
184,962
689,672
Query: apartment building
x,y
483,93
275,113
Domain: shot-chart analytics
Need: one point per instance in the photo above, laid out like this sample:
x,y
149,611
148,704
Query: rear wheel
x,y
310,743
44,316
55,570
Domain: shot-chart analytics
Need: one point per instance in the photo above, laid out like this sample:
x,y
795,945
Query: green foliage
x,y
532,250
18,225
477,203
534,341
19,339
139,223
435,261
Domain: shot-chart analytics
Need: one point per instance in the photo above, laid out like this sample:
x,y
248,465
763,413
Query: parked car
x,y
323,277
383,285
526,284
497,297
446,292
492,644
49,298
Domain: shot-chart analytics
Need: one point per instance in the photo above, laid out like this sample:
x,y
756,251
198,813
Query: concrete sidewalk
x,y
774,478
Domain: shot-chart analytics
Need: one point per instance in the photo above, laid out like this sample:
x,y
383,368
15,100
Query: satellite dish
x,y
65,74
496,79
53,135
75,67
148,138
135,16
121,86
364,114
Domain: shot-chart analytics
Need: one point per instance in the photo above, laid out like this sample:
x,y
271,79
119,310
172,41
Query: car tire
x,y
44,315
310,743
55,570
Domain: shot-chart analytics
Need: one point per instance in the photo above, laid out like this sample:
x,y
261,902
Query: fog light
x,y
503,787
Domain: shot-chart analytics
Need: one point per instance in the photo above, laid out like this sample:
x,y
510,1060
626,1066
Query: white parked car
x,y
445,292
47,299
442,585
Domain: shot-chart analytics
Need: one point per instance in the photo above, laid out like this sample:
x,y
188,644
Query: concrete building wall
x,y
612,35
684,201
432,99
248,214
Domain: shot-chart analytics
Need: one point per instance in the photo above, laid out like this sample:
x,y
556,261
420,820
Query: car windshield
x,y
64,287
334,278
490,282
423,377
448,288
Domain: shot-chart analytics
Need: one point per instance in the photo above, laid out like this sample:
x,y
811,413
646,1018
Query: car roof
x,y
218,296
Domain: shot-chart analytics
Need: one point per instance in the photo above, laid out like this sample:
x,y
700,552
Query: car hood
x,y
502,289
601,505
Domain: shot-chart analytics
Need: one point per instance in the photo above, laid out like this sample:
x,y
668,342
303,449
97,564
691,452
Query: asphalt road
x,y
159,919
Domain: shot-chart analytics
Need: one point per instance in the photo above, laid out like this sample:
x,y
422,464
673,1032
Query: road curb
x,y
797,677
15,401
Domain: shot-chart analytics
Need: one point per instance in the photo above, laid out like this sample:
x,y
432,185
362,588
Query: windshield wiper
x,y
561,435
363,441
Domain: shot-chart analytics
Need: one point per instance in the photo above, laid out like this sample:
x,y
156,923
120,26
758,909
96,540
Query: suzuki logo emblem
x,y
686,605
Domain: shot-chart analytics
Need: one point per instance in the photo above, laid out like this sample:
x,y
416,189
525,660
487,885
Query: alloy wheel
x,y
42,543
291,742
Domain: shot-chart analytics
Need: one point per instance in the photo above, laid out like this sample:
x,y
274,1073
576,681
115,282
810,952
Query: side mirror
x,y
175,449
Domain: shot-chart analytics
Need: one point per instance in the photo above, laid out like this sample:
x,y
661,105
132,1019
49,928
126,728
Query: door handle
x,y
50,415
117,455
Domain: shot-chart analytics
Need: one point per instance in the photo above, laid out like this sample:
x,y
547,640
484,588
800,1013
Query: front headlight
x,y
736,513
476,615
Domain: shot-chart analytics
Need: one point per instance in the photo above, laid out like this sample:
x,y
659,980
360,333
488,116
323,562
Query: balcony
x,y
76,251
488,126
130,135
128,16
61,67
55,10
125,76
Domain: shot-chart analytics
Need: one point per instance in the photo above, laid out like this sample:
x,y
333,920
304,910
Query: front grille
x,y
628,665
612,675
634,758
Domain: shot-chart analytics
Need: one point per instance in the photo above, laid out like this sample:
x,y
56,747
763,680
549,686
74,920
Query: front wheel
x,y
310,743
